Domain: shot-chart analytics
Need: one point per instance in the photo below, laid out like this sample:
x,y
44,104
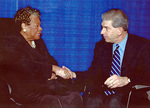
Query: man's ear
x,y
120,30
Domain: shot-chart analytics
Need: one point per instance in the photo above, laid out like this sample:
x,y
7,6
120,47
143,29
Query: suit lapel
x,y
128,55
107,58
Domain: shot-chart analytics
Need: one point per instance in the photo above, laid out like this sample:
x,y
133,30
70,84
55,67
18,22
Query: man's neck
x,y
122,36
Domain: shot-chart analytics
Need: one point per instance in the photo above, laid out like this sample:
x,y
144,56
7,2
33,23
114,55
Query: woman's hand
x,y
53,76
62,72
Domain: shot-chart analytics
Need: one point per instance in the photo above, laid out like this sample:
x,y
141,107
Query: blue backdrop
x,y
72,27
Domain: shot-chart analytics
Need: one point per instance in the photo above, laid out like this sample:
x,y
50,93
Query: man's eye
x,y
107,28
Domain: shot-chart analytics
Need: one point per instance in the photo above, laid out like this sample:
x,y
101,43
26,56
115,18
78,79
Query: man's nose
x,y
102,32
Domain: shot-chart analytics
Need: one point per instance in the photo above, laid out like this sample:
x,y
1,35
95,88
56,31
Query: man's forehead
x,y
106,23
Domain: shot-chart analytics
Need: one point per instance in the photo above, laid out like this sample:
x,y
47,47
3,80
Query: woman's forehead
x,y
34,19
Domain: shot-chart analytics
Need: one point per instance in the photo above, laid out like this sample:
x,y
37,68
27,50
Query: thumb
x,y
63,67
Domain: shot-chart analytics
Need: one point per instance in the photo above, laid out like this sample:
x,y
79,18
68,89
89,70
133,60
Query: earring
x,y
24,30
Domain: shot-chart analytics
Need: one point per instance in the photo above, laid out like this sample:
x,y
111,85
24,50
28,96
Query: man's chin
x,y
106,40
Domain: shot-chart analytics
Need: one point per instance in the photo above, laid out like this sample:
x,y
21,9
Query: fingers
x,y
113,84
53,76
61,73
68,71
115,81
109,80
65,73
112,81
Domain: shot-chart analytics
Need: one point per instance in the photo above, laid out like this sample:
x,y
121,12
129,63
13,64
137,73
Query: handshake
x,y
63,72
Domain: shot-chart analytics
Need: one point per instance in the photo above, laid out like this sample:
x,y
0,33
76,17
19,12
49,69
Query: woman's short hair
x,y
118,18
23,16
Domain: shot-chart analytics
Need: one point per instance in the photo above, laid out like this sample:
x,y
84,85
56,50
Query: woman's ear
x,y
23,26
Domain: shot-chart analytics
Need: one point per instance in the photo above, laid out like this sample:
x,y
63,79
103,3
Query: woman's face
x,y
33,31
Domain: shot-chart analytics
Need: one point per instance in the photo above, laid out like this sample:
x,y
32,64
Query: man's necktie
x,y
115,68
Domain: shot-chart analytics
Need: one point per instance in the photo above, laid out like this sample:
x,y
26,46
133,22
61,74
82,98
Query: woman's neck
x,y
30,42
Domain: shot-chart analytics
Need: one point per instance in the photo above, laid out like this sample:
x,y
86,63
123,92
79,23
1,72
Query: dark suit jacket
x,y
24,68
135,64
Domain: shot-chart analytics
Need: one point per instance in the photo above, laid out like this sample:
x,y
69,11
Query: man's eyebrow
x,y
105,26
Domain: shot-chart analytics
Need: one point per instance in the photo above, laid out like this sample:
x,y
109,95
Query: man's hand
x,y
64,73
73,75
61,72
115,81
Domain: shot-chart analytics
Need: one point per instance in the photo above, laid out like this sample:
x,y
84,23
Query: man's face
x,y
109,33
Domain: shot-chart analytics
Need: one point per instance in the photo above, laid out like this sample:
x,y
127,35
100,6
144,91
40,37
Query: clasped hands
x,y
115,81
63,72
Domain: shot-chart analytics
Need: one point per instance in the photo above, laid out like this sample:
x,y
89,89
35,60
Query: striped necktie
x,y
115,68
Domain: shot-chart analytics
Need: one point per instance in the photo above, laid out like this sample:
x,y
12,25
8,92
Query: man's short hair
x,y
118,18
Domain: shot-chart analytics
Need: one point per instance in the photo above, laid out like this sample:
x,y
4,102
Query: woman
x,y
31,70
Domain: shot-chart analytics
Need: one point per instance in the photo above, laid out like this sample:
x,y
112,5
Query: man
x,y
115,69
